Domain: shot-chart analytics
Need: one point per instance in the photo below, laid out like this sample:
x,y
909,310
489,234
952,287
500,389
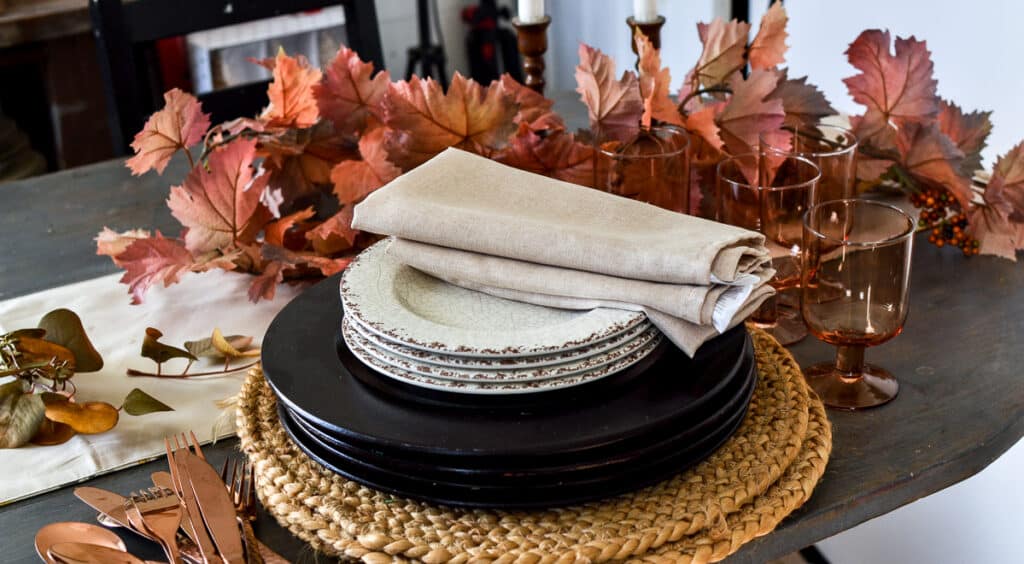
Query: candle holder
x,y
651,29
532,40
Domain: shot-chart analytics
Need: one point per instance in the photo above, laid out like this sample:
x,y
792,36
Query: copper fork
x,y
241,480
192,521
157,511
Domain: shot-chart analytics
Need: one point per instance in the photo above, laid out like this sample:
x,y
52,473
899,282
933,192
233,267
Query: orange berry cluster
x,y
939,212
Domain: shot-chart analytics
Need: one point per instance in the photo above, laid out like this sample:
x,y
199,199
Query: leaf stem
x,y
133,372
191,163
709,90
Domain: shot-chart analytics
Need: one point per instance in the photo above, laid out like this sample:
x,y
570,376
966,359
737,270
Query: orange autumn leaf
x,y
702,122
86,418
614,106
557,154
967,130
725,44
335,234
40,350
274,232
300,160
768,49
220,204
350,93
749,113
932,158
179,125
354,180
423,120
153,260
896,87
292,103
654,82
534,108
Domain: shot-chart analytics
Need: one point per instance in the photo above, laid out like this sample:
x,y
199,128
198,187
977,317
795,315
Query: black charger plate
x,y
315,380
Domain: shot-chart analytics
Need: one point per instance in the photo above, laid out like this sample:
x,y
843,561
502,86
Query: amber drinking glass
x,y
653,167
772,200
831,148
862,248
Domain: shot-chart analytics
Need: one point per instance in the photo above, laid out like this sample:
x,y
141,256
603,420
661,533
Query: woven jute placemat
x,y
743,490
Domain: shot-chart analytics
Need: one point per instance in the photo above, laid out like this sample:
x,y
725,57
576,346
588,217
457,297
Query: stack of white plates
x,y
425,332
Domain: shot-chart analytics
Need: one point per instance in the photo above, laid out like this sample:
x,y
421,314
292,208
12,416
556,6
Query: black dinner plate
x,y
315,380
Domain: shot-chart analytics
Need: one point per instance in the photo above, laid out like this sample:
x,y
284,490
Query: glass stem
x,y
850,360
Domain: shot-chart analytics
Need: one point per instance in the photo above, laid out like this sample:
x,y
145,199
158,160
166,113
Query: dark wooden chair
x,y
126,31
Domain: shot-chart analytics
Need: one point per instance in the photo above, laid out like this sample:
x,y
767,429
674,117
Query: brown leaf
x,y
424,121
768,49
227,348
335,234
725,45
179,125
614,106
998,222
291,93
159,352
274,232
220,204
37,350
803,103
1006,187
87,418
967,131
204,347
556,154
264,286
65,328
52,433
149,261
654,82
290,259
354,180
749,112
349,93
300,160
534,109
20,414
933,159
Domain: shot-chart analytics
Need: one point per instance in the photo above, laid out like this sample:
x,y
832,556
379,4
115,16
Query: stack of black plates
x,y
650,421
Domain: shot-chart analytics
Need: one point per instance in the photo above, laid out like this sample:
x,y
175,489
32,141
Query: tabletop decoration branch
x,y
272,196
217,346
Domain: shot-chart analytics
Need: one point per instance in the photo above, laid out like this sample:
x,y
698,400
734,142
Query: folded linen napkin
x,y
464,201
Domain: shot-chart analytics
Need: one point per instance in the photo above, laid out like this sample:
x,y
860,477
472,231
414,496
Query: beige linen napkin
x,y
463,201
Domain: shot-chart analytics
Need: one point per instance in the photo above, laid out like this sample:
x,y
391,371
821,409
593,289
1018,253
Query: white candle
x,y
531,11
645,11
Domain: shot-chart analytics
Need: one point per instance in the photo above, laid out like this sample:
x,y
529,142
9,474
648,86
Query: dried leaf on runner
x,y
768,49
423,120
138,402
220,204
159,352
335,234
803,103
275,232
614,106
20,414
65,328
179,125
299,161
534,109
52,433
998,223
896,87
111,243
968,131
150,261
725,45
291,93
354,180
87,418
39,350
555,153
350,93
933,159
654,82
205,347
749,113
227,349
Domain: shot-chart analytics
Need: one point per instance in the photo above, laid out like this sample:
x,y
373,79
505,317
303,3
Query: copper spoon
x,y
82,553
68,531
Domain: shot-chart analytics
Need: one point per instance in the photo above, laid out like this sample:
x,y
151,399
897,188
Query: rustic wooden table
x,y
961,402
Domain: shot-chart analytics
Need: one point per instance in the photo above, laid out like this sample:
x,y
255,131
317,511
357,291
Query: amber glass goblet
x,y
862,248
772,200
653,166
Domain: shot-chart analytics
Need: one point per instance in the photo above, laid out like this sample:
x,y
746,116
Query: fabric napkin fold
x,y
464,201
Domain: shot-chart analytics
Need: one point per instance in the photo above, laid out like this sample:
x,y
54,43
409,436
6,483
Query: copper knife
x,y
192,524
215,505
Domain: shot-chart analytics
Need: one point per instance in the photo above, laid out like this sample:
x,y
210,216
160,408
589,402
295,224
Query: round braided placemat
x,y
760,475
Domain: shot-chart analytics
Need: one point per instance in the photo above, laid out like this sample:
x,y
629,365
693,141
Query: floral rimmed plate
x,y
489,364
353,333
406,306
457,386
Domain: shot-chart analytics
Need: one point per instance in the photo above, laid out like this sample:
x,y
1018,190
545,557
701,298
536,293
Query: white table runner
x,y
186,311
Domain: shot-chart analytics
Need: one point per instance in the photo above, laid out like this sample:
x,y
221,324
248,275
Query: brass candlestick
x,y
533,43
651,29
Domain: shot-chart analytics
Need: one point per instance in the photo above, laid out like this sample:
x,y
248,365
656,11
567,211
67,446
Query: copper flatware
x,y
109,504
215,505
157,511
192,520
57,533
83,553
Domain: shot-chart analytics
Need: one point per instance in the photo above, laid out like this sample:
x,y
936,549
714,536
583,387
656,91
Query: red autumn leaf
x,y
152,260
221,207
703,123
557,154
803,103
968,132
1006,186
354,180
291,93
896,88
335,234
179,125
274,232
350,93
534,108
424,121
300,160
278,260
998,222
725,45
768,49
933,159
614,106
111,243
264,286
654,82
749,112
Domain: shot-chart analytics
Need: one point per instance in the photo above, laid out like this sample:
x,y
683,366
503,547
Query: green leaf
x,y
160,353
138,402
205,347
21,414
65,328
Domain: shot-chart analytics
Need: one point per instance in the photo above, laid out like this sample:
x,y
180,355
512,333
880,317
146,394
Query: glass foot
x,y
788,328
874,387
